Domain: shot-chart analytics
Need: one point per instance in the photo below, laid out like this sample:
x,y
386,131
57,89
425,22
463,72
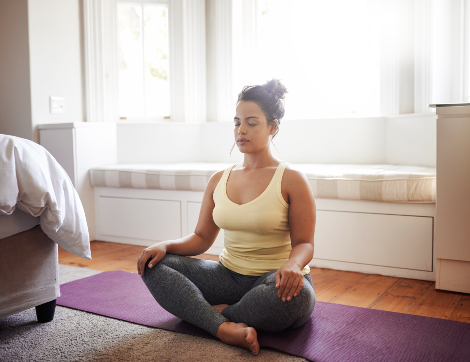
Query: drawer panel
x,y
375,239
140,218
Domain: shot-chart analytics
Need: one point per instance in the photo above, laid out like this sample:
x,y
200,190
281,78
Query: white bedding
x,y
33,181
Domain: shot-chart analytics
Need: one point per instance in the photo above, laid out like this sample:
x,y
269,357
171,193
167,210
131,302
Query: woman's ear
x,y
274,127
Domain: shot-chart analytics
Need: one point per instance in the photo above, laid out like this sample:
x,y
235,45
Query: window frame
x,y
187,73
145,119
403,90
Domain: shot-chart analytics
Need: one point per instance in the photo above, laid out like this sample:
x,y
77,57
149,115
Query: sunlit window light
x,y
143,60
325,52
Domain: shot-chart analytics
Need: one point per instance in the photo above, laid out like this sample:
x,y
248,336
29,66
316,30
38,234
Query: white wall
x,y
217,139
40,56
55,60
353,140
405,139
411,140
356,140
158,142
15,92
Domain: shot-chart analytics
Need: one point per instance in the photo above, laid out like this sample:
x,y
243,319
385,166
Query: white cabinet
x,y
78,147
144,219
375,239
453,198
382,238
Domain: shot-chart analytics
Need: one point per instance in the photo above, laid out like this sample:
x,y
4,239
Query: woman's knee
x,y
158,268
305,305
305,300
169,260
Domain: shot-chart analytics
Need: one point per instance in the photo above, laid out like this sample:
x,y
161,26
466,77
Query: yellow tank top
x,y
257,236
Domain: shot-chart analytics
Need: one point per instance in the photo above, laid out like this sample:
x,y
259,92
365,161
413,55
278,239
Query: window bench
x,y
370,218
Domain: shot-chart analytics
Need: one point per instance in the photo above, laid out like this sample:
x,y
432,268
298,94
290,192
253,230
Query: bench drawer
x,y
146,219
397,241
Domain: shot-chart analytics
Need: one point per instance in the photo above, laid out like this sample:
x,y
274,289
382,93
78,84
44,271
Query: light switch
x,y
57,105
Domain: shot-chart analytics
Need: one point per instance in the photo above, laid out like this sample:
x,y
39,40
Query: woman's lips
x,y
242,141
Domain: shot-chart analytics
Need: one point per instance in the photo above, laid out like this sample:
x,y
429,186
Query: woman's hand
x,y
289,281
156,252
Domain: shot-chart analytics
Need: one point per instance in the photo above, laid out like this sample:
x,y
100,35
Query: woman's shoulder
x,y
217,176
294,178
295,184
214,180
293,173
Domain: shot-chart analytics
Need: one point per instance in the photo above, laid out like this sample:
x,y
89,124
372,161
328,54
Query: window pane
x,y
130,57
157,89
325,52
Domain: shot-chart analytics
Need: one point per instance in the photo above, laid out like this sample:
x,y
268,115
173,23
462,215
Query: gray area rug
x,y
75,335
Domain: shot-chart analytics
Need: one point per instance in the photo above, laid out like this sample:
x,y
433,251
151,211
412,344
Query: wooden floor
x,y
401,295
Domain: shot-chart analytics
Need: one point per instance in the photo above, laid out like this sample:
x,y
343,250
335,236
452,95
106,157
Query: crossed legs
x,y
188,288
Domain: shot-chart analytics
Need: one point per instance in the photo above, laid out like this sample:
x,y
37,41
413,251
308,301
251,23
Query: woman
x,y
267,210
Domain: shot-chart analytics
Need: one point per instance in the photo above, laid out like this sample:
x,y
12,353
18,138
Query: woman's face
x,y
251,127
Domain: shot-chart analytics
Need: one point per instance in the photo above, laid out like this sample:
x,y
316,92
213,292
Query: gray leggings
x,y
188,287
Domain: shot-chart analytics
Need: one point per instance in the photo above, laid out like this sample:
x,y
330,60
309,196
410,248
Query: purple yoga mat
x,y
334,332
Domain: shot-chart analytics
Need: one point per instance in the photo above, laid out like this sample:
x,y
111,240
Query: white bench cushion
x,y
384,183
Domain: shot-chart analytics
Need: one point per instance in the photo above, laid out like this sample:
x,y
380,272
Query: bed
x,y
39,210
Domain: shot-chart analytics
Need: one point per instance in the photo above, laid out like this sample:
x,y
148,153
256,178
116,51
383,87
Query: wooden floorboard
x,y
461,312
436,303
401,295
364,293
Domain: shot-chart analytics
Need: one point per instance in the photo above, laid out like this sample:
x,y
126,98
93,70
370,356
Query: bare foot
x,y
239,334
220,307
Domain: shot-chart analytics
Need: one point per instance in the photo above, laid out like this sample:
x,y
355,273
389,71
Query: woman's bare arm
x,y
206,230
193,244
302,218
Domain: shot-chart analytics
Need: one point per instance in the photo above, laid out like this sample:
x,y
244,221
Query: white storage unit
x,y
374,237
396,241
371,237
78,147
140,218
144,217
453,198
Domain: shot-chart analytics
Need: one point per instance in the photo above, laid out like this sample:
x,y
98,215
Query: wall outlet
x,y
57,105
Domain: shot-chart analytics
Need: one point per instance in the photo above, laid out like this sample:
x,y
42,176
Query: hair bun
x,y
276,87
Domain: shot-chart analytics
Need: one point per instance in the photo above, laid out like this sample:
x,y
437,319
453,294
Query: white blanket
x,y
32,180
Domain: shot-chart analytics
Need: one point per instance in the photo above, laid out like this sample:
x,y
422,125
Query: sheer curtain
x,y
327,53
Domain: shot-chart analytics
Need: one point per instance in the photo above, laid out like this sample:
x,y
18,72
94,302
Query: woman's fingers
x,y
281,284
299,287
291,287
288,292
277,279
146,255
289,282
284,286
155,260
155,253
294,289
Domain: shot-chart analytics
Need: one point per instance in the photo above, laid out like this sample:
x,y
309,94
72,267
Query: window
x,y
340,58
143,60
327,53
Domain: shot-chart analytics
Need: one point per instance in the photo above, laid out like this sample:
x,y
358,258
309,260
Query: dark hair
x,y
269,97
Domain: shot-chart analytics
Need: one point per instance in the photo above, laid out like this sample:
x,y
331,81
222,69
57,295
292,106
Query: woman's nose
x,y
242,129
